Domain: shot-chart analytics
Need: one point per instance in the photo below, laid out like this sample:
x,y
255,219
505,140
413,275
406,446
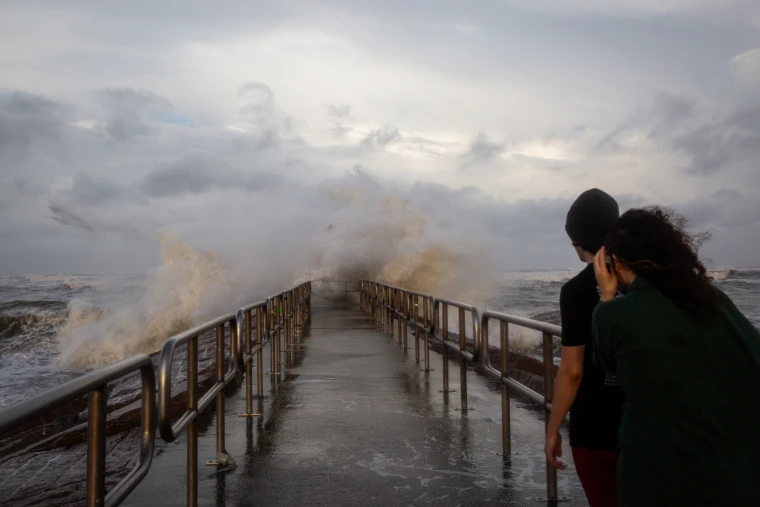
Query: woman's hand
x,y
553,449
607,281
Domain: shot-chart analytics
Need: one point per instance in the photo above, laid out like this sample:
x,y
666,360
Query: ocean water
x,y
46,322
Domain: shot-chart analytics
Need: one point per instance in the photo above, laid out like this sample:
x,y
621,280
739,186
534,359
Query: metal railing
x,y
548,331
279,318
283,314
385,301
195,406
275,315
461,348
94,384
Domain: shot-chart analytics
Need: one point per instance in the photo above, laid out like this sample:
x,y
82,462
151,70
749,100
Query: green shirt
x,y
690,432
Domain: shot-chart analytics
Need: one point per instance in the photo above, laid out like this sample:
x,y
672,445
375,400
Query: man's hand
x,y
553,449
606,280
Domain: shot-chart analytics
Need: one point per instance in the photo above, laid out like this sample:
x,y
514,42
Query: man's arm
x,y
566,386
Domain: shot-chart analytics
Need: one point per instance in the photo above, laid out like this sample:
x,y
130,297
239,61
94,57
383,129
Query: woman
x,y
689,365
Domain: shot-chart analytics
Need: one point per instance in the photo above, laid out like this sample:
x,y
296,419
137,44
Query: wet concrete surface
x,y
355,422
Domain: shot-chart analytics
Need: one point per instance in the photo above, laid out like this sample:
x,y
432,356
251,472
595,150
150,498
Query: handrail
x,y
385,301
169,432
244,329
288,309
269,322
463,307
549,331
94,385
464,355
404,304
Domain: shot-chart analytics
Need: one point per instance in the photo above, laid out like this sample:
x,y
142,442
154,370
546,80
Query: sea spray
x,y
173,301
352,229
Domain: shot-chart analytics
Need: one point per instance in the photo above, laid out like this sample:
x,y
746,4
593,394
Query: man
x,y
593,398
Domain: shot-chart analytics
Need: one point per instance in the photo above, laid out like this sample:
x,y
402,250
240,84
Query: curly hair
x,y
654,244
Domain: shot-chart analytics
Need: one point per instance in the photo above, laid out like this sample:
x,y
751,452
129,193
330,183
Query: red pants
x,y
597,471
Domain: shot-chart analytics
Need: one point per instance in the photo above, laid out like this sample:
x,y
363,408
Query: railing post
x,y
405,310
551,472
278,316
220,395
248,365
286,323
462,360
96,447
400,309
388,311
506,422
192,428
270,310
260,329
445,352
416,300
426,317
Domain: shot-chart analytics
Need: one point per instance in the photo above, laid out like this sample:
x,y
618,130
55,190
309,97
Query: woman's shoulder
x,y
631,302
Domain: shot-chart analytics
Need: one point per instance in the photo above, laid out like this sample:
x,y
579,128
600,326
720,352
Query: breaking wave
x,y
94,336
364,236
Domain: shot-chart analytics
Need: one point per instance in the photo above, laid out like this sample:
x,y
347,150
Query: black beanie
x,y
591,217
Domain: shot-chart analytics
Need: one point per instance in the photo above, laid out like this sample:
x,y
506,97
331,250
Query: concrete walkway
x,y
356,423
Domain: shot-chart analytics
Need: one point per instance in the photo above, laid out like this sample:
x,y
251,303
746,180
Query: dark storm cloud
x,y
194,173
65,216
661,121
714,146
26,188
88,191
711,144
725,208
670,112
260,99
126,108
521,220
199,173
379,139
482,149
25,117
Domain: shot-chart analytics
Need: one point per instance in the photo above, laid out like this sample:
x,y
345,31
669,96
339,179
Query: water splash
x,y
356,230
173,301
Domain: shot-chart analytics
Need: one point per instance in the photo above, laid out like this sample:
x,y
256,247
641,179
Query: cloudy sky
x,y
121,119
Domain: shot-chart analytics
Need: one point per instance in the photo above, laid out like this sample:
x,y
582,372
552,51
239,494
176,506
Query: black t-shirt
x,y
595,414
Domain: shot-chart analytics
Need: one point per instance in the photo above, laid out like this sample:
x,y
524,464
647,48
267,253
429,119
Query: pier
x,y
330,393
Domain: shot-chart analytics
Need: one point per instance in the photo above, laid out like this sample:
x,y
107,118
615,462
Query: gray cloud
x,y
340,117
262,140
26,117
199,173
711,144
126,108
716,146
260,99
482,149
725,208
432,56
194,173
65,216
88,191
26,188
379,139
